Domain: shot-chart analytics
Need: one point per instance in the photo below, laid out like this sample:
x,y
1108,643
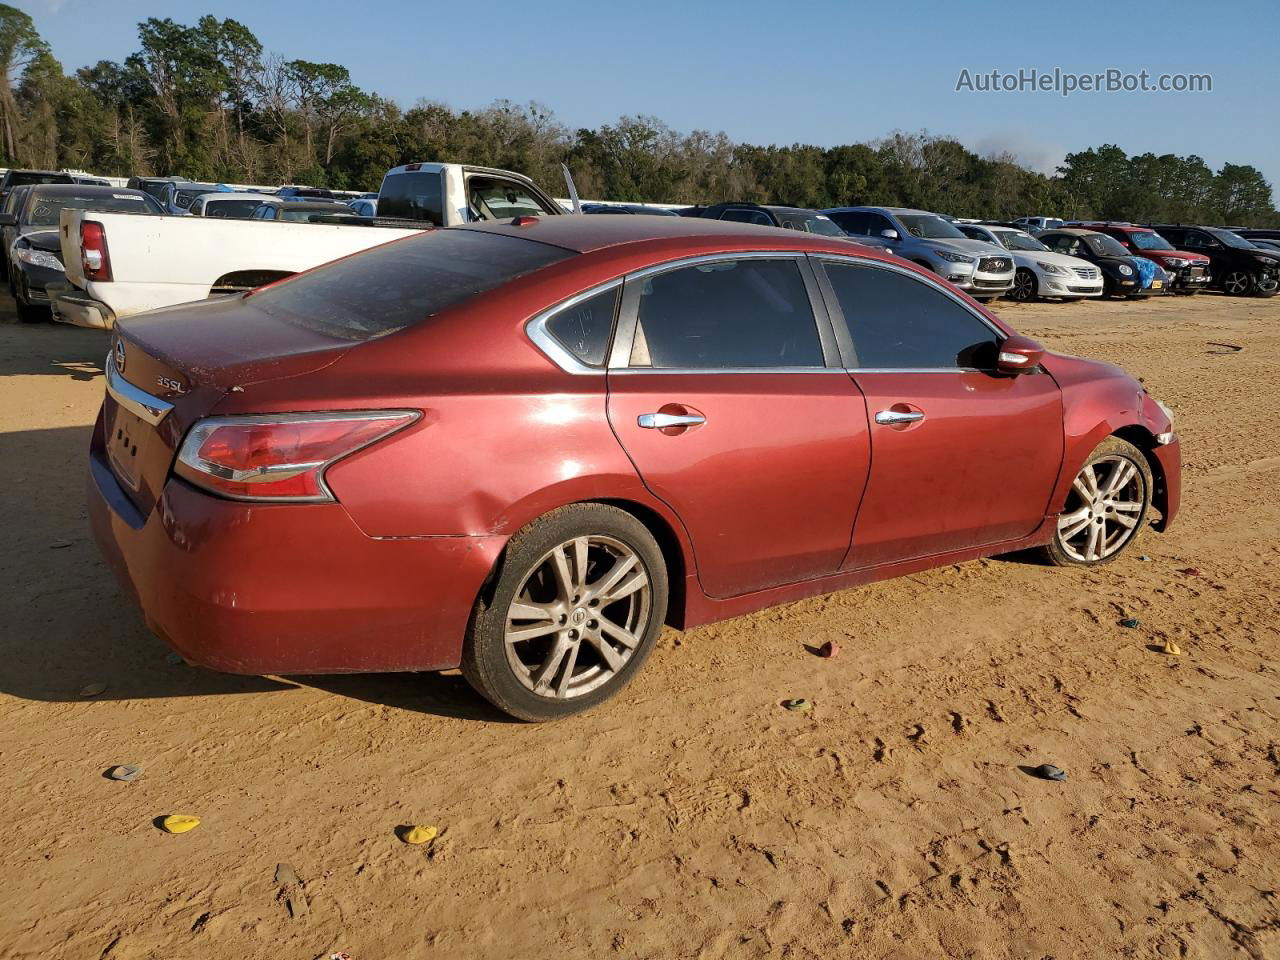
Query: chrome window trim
x,y
628,316
138,402
717,371
558,353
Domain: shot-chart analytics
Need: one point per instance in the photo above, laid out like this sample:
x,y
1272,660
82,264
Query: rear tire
x,y
578,602
1106,508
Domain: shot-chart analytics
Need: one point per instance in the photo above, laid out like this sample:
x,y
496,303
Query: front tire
x,y
577,605
1025,287
1106,508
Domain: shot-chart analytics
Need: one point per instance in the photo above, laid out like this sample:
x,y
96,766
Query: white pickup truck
x,y
120,264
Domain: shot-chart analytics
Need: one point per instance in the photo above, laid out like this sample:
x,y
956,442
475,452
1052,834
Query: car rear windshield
x,y
413,196
43,209
235,209
392,286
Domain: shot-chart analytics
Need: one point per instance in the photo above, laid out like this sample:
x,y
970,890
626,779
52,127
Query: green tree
x,y
20,46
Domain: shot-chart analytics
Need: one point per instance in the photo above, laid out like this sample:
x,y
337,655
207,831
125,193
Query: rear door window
x,y
390,287
413,196
726,315
853,222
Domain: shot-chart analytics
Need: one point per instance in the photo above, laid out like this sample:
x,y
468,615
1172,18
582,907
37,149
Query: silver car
x,y
982,269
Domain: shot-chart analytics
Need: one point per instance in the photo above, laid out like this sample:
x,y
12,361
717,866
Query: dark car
x,y
155,186
625,208
1254,234
522,447
303,211
1189,270
9,204
309,193
36,259
20,178
1123,275
789,218
1239,268
90,181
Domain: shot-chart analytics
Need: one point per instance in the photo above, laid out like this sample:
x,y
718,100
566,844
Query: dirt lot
x,y
693,817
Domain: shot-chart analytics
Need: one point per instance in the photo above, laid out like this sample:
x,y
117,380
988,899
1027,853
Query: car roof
x,y
234,195
1074,231
82,189
583,234
286,204
42,173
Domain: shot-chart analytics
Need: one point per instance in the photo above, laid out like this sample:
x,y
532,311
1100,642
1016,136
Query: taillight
x,y
279,456
94,259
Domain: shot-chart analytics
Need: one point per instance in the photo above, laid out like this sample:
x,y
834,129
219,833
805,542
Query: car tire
x,y
1094,526
1025,286
576,647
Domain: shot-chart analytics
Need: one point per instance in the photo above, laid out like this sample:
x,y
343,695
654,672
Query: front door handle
x,y
660,421
892,417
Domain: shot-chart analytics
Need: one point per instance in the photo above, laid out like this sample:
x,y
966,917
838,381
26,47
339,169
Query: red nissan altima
x,y
523,447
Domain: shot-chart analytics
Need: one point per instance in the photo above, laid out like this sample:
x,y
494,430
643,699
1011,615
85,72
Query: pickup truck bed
x,y
160,261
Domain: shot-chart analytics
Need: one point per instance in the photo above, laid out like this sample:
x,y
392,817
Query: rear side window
x,y
390,287
584,328
731,314
856,223
897,322
413,196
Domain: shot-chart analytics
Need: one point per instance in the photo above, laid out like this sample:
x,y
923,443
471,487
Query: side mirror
x,y
1018,354
8,219
890,234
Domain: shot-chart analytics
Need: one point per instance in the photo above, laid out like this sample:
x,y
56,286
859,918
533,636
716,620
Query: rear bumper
x,y
1168,492
279,589
75,307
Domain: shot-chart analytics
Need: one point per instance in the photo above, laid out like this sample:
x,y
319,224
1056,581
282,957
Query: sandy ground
x,y
692,817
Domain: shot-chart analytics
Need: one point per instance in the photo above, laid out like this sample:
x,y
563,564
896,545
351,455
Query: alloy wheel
x,y
1236,283
1024,285
578,617
1103,509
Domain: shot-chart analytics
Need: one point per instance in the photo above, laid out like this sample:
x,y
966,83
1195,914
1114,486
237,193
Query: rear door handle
x,y
660,421
890,417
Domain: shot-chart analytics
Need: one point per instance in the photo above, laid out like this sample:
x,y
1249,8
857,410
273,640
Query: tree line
x,y
208,102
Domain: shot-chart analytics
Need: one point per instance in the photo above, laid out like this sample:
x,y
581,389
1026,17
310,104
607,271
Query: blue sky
x,y
823,71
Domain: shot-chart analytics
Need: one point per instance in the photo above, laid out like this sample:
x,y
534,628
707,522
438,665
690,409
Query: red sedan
x,y
523,447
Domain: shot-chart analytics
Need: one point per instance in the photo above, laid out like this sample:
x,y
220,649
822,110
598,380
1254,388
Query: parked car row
x,y
1051,259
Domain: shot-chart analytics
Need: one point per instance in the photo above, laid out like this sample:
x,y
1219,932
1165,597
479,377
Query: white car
x,y
232,206
1041,272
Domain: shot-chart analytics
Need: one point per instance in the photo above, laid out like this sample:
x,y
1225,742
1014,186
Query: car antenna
x,y
573,191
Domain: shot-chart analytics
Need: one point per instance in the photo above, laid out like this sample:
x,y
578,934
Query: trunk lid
x,y
169,368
